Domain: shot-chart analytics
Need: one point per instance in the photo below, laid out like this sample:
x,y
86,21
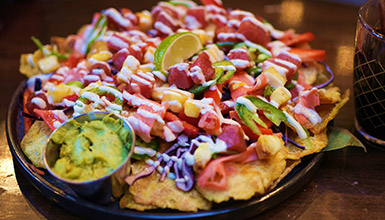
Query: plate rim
x,y
59,197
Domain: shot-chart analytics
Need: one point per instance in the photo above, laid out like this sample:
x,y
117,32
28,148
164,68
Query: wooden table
x,y
348,185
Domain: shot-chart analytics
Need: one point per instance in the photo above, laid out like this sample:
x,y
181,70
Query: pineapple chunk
x,y
214,53
130,66
58,92
48,64
175,99
268,145
192,108
158,92
97,47
145,20
102,56
280,96
274,78
149,55
202,156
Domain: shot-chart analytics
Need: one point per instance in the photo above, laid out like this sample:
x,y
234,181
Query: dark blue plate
x,y
60,194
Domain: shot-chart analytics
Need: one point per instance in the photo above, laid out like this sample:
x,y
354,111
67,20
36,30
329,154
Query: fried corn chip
x,y
128,201
329,112
290,164
34,142
313,144
151,192
249,179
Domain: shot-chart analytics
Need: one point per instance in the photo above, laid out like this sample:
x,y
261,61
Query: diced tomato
x,y
50,118
190,120
308,55
189,129
215,93
298,39
72,97
234,137
266,131
210,122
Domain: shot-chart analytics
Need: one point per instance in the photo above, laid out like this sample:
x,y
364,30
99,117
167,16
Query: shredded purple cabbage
x,y
171,161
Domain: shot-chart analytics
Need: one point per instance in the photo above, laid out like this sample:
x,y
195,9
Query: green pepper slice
x,y
270,111
249,118
152,145
221,75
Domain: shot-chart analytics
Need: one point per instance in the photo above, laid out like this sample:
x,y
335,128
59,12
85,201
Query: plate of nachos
x,y
230,114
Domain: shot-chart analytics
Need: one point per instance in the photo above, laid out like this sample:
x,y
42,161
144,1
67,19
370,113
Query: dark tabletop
x,y
349,183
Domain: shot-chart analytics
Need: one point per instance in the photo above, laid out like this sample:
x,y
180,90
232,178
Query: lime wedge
x,y
175,49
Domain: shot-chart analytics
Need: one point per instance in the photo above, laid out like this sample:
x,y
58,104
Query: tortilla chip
x,y
329,112
329,95
290,164
150,191
313,144
128,201
249,179
34,142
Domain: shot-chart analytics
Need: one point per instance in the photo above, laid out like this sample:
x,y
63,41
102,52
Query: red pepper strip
x,y
189,129
73,60
214,176
214,93
308,55
27,121
298,39
49,117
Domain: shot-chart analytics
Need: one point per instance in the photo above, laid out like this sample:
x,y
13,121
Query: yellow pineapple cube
x,y
48,64
102,56
202,156
192,108
145,20
274,78
215,54
174,99
268,145
158,92
280,96
58,92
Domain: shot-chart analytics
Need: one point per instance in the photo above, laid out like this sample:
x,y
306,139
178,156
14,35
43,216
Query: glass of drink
x,y
369,72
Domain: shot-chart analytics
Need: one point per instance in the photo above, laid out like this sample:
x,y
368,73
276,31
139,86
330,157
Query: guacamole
x,y
92,149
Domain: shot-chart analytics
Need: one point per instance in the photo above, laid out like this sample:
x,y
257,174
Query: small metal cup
x,y
100,189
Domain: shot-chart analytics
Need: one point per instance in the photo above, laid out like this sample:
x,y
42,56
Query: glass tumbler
x,y
369,72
